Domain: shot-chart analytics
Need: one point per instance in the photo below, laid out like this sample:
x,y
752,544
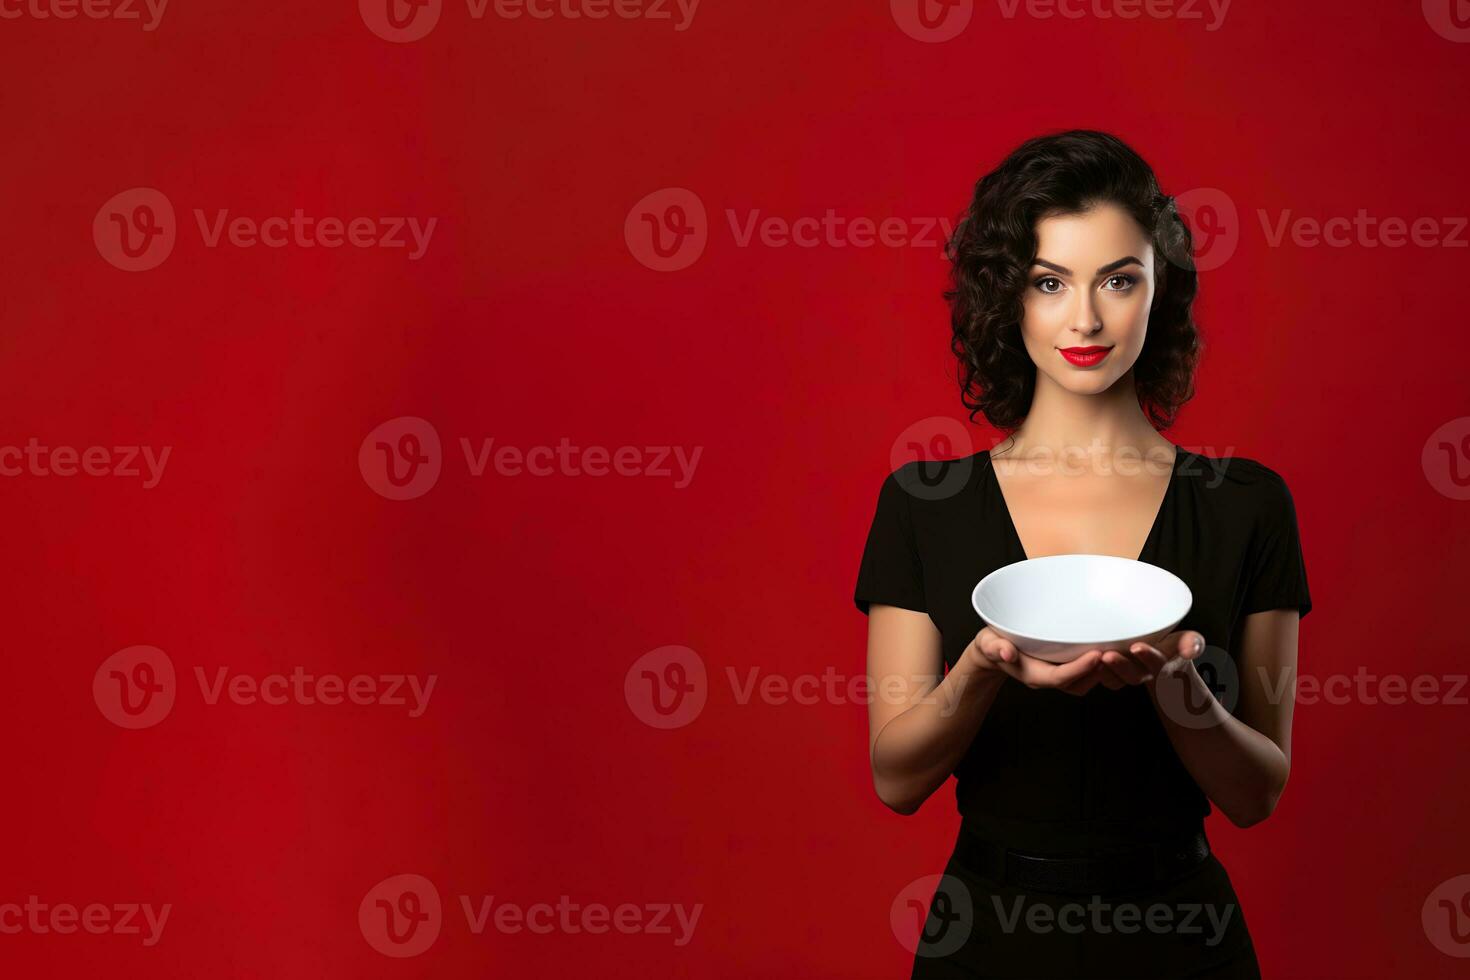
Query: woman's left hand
x,y
1142,663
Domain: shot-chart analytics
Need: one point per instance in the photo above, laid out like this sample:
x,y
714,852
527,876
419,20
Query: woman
x,y
1083,786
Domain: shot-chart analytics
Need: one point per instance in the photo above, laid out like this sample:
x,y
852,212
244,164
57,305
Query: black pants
x,y
1190,928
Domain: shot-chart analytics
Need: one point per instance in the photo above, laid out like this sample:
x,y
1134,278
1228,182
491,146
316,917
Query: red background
x,y
794,369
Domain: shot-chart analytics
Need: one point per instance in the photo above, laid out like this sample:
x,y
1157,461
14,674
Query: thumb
x,y
1191,644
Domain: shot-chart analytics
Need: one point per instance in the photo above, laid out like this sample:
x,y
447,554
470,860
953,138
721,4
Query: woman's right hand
x,y
991,651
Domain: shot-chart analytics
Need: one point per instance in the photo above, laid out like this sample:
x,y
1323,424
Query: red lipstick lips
x,y
1084,356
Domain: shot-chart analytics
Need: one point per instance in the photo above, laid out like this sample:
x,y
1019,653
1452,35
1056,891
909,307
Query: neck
x,y
1064,424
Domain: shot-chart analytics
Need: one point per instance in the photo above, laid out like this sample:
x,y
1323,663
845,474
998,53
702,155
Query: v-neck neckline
x,y
1152,530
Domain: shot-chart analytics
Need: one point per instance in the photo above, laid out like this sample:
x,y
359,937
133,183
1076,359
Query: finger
x,y
1081,687
1107,677
1150,658
1191,644
1124,667
997,647
1136,668
1063,674
1015,671
983,646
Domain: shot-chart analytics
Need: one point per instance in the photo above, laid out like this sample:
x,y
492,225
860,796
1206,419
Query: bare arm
x,y
921,721
1240,761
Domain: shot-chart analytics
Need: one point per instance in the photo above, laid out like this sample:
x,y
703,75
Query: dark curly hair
x,y
994,245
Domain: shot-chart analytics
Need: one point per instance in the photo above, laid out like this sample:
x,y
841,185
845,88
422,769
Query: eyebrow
x,y
1110,267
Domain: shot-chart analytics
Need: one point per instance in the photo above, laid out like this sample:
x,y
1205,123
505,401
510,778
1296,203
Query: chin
x,y
1085,383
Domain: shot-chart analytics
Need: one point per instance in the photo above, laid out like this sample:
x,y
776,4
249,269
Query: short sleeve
x,y
1277,570
891,572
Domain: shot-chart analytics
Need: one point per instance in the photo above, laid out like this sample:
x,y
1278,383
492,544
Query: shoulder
x,y
934,487
1244,484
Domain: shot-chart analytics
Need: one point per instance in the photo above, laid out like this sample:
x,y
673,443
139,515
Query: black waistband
x,y
1141,866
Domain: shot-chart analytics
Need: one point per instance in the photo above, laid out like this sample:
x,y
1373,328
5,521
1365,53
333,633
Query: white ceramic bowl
x,y
1058,607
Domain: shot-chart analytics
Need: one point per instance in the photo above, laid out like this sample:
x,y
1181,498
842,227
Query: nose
x,y
1085,319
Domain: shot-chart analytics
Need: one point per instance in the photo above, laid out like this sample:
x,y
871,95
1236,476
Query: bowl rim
x,y
1003,627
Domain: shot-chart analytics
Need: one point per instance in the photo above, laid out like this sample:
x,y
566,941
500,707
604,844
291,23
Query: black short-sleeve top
x,y
1049,771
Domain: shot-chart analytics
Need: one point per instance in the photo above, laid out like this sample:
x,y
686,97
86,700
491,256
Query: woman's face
x,y
1091,287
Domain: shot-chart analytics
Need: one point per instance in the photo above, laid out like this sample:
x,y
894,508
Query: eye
x,y
1045,283
1125,282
